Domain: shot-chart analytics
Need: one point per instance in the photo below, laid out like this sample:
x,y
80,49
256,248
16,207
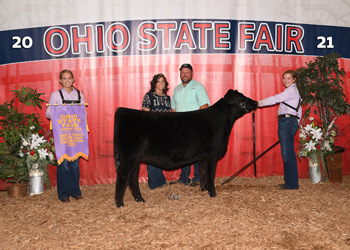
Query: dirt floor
x,y
248,213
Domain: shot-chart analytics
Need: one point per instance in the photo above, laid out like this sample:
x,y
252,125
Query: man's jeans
x,y
185,173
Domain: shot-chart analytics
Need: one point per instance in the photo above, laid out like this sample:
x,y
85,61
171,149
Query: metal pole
x,y
254,144
250,163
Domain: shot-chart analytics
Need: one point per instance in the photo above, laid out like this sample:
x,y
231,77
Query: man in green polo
x,y
189,95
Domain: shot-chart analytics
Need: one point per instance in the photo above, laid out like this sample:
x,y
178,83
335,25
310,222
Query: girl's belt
x,y
287,115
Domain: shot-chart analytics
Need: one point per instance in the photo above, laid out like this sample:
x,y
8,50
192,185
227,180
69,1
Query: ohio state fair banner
x,y
70,132
149,37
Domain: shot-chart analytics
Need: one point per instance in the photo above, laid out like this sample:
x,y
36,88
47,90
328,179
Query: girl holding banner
x,y
66,110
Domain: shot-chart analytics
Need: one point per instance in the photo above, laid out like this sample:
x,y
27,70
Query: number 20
x,y
322,45
26,42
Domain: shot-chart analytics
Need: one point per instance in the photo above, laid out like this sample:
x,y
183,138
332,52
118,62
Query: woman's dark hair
x,y
154,81
292,73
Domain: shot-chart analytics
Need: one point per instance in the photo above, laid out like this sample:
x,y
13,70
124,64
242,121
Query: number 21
x,y
322,44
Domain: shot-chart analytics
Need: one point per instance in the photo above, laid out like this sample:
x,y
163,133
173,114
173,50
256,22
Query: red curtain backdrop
x,y
112,82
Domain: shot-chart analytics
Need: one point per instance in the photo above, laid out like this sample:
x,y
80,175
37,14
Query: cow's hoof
x,y
204,189
212,194
119,204
140,200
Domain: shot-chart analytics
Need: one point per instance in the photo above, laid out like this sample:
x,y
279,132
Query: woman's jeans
x,y
68,179
287,127
155,177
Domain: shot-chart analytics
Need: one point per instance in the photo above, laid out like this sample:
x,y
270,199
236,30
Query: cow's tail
x,y
116,152
116,158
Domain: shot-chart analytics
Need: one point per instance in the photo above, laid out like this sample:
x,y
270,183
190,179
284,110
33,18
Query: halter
x,y
242,105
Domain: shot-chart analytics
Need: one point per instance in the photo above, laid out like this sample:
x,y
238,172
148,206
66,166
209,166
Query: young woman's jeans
x,y
155,177
68,179
185,173
287,127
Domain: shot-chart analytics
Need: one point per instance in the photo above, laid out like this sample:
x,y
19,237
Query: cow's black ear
x,y
229,96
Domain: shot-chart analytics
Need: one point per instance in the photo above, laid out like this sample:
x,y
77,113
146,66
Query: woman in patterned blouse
x,y
156,100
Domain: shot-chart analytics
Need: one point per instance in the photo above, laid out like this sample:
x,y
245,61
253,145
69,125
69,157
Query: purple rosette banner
x,y
70,132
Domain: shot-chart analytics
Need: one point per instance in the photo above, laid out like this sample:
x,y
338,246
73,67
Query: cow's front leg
x,y
211,168
203,172
134,184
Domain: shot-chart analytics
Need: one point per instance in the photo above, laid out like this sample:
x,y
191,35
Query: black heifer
x,y
171,140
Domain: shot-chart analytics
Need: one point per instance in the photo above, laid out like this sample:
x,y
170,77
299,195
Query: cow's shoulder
x,y
220,106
